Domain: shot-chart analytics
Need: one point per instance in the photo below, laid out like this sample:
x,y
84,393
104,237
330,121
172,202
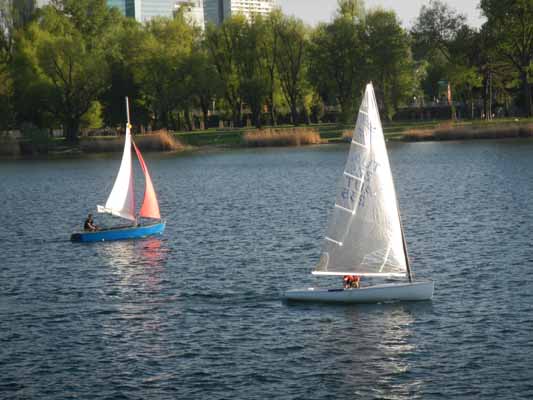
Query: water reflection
x,y
138,263
383,336
137,269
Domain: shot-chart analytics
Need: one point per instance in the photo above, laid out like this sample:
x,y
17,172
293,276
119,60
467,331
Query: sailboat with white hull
x,y
365,235
121,201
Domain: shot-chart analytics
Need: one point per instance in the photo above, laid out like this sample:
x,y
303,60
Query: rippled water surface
x,y
197,314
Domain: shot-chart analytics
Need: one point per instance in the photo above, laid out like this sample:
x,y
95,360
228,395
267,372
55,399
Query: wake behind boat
x,y
365,235
121,202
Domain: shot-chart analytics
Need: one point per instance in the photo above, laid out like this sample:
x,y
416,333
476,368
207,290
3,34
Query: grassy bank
x,y
279,136
236,137
470,131
58,147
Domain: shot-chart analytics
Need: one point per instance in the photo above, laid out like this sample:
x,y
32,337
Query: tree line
x,y
70,64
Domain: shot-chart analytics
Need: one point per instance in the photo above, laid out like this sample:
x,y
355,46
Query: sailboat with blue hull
x,y
365,235
121,202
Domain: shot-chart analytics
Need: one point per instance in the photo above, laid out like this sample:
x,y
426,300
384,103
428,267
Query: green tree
x,y
61,68
290,62
7,92
389,52
93,117
338,59
436,27
268,51
14,15
436,37
128,38
223,44
351,9
160,70
510,23
253,68
204,86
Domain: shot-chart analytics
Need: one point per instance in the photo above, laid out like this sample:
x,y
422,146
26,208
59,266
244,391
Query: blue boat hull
x,y
132,232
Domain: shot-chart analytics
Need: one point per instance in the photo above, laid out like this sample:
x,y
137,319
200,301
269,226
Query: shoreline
x,y
220,139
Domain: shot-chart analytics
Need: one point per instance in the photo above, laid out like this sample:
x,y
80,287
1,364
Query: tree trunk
x,y
273,115
188,121
256,115
205,112
294,114
346,111
237,115
485,97
70,130
527,93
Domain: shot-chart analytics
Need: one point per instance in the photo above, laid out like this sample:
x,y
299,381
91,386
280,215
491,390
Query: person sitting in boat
x,y
89,224
351,281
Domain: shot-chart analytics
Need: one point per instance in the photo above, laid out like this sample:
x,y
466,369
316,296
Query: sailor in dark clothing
x,y
89,224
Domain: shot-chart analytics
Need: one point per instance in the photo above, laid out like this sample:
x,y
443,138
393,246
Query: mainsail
x,y
150,207
364,235
121,200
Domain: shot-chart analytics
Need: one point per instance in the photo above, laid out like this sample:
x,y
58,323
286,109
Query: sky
x,y
314,11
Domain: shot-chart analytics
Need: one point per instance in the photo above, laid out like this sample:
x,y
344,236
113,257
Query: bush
x,y
466,132
155,141
9,146
281,137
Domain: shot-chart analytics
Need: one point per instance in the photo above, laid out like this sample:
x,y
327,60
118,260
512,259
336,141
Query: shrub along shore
x,y
163,141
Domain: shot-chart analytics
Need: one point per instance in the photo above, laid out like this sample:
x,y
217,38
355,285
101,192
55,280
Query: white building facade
x,y
216,11
194,11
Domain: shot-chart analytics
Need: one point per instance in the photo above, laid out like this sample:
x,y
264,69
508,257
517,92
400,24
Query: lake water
x,y
197,314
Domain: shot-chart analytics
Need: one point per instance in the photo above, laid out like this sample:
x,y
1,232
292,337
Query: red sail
x,y
150,207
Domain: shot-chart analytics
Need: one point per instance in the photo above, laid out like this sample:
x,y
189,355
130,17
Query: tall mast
x,y
128,110
409,275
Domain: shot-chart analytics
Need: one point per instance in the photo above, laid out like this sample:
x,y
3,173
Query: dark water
x,y
197,314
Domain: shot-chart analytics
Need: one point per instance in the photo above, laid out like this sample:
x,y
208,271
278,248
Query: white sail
x,y
121,200
364,235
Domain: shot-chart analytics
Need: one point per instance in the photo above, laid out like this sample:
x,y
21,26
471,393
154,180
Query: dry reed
x,y
467,132
156,141
9,147
347,135
281,137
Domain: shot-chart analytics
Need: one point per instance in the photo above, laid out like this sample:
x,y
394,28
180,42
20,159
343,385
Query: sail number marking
x,y
370,170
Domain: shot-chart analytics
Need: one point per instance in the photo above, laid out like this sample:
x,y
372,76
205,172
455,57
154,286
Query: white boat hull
x,y
386,293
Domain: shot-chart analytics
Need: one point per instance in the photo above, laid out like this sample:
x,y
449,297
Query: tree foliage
x,y
510,22
290,62
71,63
339,63
390,56
63,72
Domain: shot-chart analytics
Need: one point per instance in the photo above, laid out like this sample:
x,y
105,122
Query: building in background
x,y
216,11
130,8
194,11
156,8
211,11
144,10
